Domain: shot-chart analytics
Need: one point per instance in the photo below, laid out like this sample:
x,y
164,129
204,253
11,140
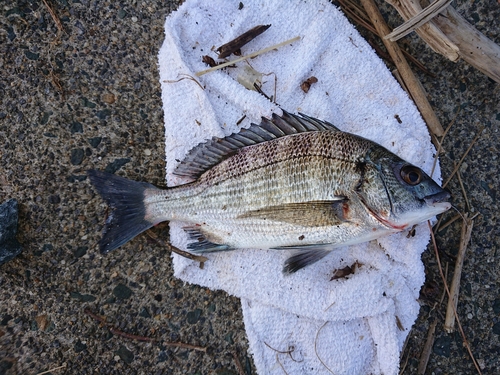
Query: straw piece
x,y
426,352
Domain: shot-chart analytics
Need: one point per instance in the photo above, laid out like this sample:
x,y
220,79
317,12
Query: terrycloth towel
x,y
353,325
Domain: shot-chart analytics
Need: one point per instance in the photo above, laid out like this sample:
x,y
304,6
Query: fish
x,y
292,182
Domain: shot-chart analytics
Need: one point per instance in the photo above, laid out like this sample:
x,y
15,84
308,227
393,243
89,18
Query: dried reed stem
x,y
426,352
449,323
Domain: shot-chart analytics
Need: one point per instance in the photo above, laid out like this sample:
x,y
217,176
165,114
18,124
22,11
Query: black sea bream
x,y
292,182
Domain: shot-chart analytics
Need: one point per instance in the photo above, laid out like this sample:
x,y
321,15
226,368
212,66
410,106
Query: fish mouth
x,y
442,196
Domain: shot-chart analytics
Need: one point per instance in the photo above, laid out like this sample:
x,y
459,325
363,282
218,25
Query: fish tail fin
x,y
126,201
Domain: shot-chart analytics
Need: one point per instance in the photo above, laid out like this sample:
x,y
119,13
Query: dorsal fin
x,y
204,156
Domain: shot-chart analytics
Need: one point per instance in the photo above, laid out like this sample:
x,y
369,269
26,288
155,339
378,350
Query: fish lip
x,y
442,196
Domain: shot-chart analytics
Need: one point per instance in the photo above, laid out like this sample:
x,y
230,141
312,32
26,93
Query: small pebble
x,y
193,316
108,98
122,291
79,346
134,19
147,152
77,155
126,355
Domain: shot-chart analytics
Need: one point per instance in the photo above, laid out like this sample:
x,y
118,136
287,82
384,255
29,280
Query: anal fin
x,y
308,254
200,242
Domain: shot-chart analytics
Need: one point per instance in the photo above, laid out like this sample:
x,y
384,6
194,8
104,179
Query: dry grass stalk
x,y
463,157
56,19
464,338
418,20
449,323
417,92
426,351
316,348
52,369
249,56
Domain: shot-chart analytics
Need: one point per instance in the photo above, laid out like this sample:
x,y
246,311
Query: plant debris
x,y
306,85
342,273
251,55
234,45
209,61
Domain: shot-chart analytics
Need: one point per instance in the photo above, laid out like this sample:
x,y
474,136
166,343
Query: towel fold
x,y
305,323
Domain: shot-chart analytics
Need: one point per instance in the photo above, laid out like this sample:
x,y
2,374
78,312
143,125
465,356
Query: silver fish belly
x,y
292,182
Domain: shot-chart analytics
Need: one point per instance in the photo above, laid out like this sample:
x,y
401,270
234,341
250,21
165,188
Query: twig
x,y
463,157
238,364
185,254
465,342
130,336
417,91
449,322
52,369
426,352
257,53
56,19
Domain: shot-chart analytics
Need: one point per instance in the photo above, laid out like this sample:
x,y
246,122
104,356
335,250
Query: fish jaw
x,y
410,218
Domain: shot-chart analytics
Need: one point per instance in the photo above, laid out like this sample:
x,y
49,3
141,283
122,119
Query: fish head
x,y
399,194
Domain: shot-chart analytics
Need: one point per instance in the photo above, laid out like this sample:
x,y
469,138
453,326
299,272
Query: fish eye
x,y
411,175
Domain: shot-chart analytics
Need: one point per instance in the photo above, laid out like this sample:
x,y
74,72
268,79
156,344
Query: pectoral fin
x,y
308,254
307,214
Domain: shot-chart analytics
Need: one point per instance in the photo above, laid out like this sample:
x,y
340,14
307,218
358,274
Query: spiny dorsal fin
x,y
307,214
204,156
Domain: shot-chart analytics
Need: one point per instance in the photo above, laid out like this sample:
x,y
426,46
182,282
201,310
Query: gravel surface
x,y
89,97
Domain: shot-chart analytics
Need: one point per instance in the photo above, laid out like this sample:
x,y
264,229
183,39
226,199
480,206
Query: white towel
x,y
354,325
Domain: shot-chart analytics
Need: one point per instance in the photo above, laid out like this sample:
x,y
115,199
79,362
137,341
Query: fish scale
x,y
292,182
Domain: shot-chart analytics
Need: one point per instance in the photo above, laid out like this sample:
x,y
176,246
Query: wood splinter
x,y
234,45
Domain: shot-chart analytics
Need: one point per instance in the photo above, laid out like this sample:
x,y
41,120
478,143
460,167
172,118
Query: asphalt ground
x,y
89,97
